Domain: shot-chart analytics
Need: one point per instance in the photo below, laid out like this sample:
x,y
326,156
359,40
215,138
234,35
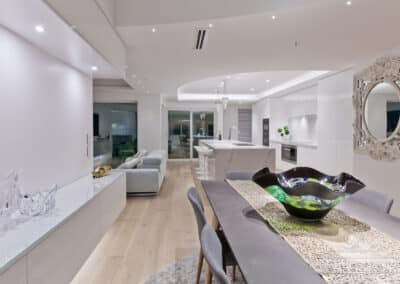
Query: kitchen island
x,y
239,156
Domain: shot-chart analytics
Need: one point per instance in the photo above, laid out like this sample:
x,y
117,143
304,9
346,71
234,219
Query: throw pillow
x,y
132,163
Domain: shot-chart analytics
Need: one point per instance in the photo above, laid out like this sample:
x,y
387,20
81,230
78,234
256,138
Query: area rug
x,y
182,272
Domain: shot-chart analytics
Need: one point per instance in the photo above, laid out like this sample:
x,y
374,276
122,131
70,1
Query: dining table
x,y
262,254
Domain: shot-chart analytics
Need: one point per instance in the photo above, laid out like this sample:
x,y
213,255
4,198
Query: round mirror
x,y
382,110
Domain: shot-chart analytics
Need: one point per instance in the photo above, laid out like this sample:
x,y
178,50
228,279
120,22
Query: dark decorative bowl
x,y
307,193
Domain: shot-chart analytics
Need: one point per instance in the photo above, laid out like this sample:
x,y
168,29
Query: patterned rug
x,y
183,272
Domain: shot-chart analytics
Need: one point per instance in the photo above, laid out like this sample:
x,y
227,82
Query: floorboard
x,y
150,233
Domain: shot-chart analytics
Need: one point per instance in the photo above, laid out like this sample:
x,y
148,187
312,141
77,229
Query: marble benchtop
x,y
18,241
231,145
305,144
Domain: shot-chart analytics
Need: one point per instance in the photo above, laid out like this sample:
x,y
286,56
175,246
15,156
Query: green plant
x,y
284,131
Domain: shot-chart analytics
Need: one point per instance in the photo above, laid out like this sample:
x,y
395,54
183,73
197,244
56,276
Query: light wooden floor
x,y
150,233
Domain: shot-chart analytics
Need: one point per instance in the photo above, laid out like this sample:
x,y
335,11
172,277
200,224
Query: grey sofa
x,y
148,177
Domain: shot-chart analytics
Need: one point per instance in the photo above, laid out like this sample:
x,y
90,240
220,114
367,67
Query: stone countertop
x,y
232,145
19,240
306,144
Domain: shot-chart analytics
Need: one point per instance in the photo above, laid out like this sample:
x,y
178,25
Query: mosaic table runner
x,y
340,248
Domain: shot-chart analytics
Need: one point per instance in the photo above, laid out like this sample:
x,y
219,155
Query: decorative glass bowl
x,y
306,193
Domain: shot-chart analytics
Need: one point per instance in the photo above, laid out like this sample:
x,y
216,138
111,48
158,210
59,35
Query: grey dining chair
x,y
212,250
373,199
240,175
198,208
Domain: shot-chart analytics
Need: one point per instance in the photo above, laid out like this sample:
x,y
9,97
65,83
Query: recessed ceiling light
x,y
273,17
94,68
252,89
267,81
348,3
210,25
147,92
153,30
228,77
39,28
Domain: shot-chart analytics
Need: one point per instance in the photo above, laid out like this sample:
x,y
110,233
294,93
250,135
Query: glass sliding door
x,y
202,128
179,134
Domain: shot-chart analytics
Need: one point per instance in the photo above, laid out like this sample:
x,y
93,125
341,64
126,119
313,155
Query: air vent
x,y
200,38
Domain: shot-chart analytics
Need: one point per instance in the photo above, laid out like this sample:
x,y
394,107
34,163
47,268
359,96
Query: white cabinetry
x,y
58,255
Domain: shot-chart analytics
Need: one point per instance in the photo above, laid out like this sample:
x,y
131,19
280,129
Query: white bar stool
x,y
200,168
206,153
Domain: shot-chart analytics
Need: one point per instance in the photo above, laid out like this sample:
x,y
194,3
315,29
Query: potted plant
x,y
284,132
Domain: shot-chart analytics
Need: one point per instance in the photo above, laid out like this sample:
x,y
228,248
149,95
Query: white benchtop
x,y
69,199
230,145
306,144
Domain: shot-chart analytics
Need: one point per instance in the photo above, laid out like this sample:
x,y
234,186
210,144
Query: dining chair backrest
x,y
212,250
373,199
240,175
198,208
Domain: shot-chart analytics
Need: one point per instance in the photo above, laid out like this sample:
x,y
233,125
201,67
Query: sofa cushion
x,y
155,158
130,164
129,158
140,154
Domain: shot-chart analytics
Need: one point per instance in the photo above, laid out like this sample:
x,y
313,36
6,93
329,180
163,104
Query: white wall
x,y
149,122
261,110
282,110
230,117
45,114
335,153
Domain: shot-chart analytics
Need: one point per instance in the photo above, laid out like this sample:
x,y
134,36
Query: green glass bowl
x,y
307,193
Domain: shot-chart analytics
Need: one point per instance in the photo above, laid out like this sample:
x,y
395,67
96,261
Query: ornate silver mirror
x,y
376,102
382,111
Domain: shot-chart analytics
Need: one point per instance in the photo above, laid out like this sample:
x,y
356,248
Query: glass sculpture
x,y
17,207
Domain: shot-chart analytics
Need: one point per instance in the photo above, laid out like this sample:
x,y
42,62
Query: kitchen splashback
x,y
303,128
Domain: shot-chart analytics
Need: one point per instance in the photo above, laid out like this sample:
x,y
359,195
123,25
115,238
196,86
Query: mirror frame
x,y
386,69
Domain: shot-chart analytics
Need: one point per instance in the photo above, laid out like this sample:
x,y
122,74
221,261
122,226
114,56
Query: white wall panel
x,y
45,115
16,274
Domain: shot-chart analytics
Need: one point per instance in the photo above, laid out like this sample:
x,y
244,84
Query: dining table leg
x,y
214,222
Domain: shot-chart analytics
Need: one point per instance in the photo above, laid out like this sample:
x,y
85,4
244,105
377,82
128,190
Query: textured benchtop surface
x,y
18,241
230,145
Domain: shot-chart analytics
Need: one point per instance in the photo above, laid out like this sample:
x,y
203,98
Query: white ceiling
x,y
330,35
156,12
306,35
58,39
242,83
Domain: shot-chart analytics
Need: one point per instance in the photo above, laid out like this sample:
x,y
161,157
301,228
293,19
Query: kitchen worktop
x,y
306,144
230,145
69,199
239,156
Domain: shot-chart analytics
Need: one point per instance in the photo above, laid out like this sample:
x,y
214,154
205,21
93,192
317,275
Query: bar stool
x,y
200,168
206,152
